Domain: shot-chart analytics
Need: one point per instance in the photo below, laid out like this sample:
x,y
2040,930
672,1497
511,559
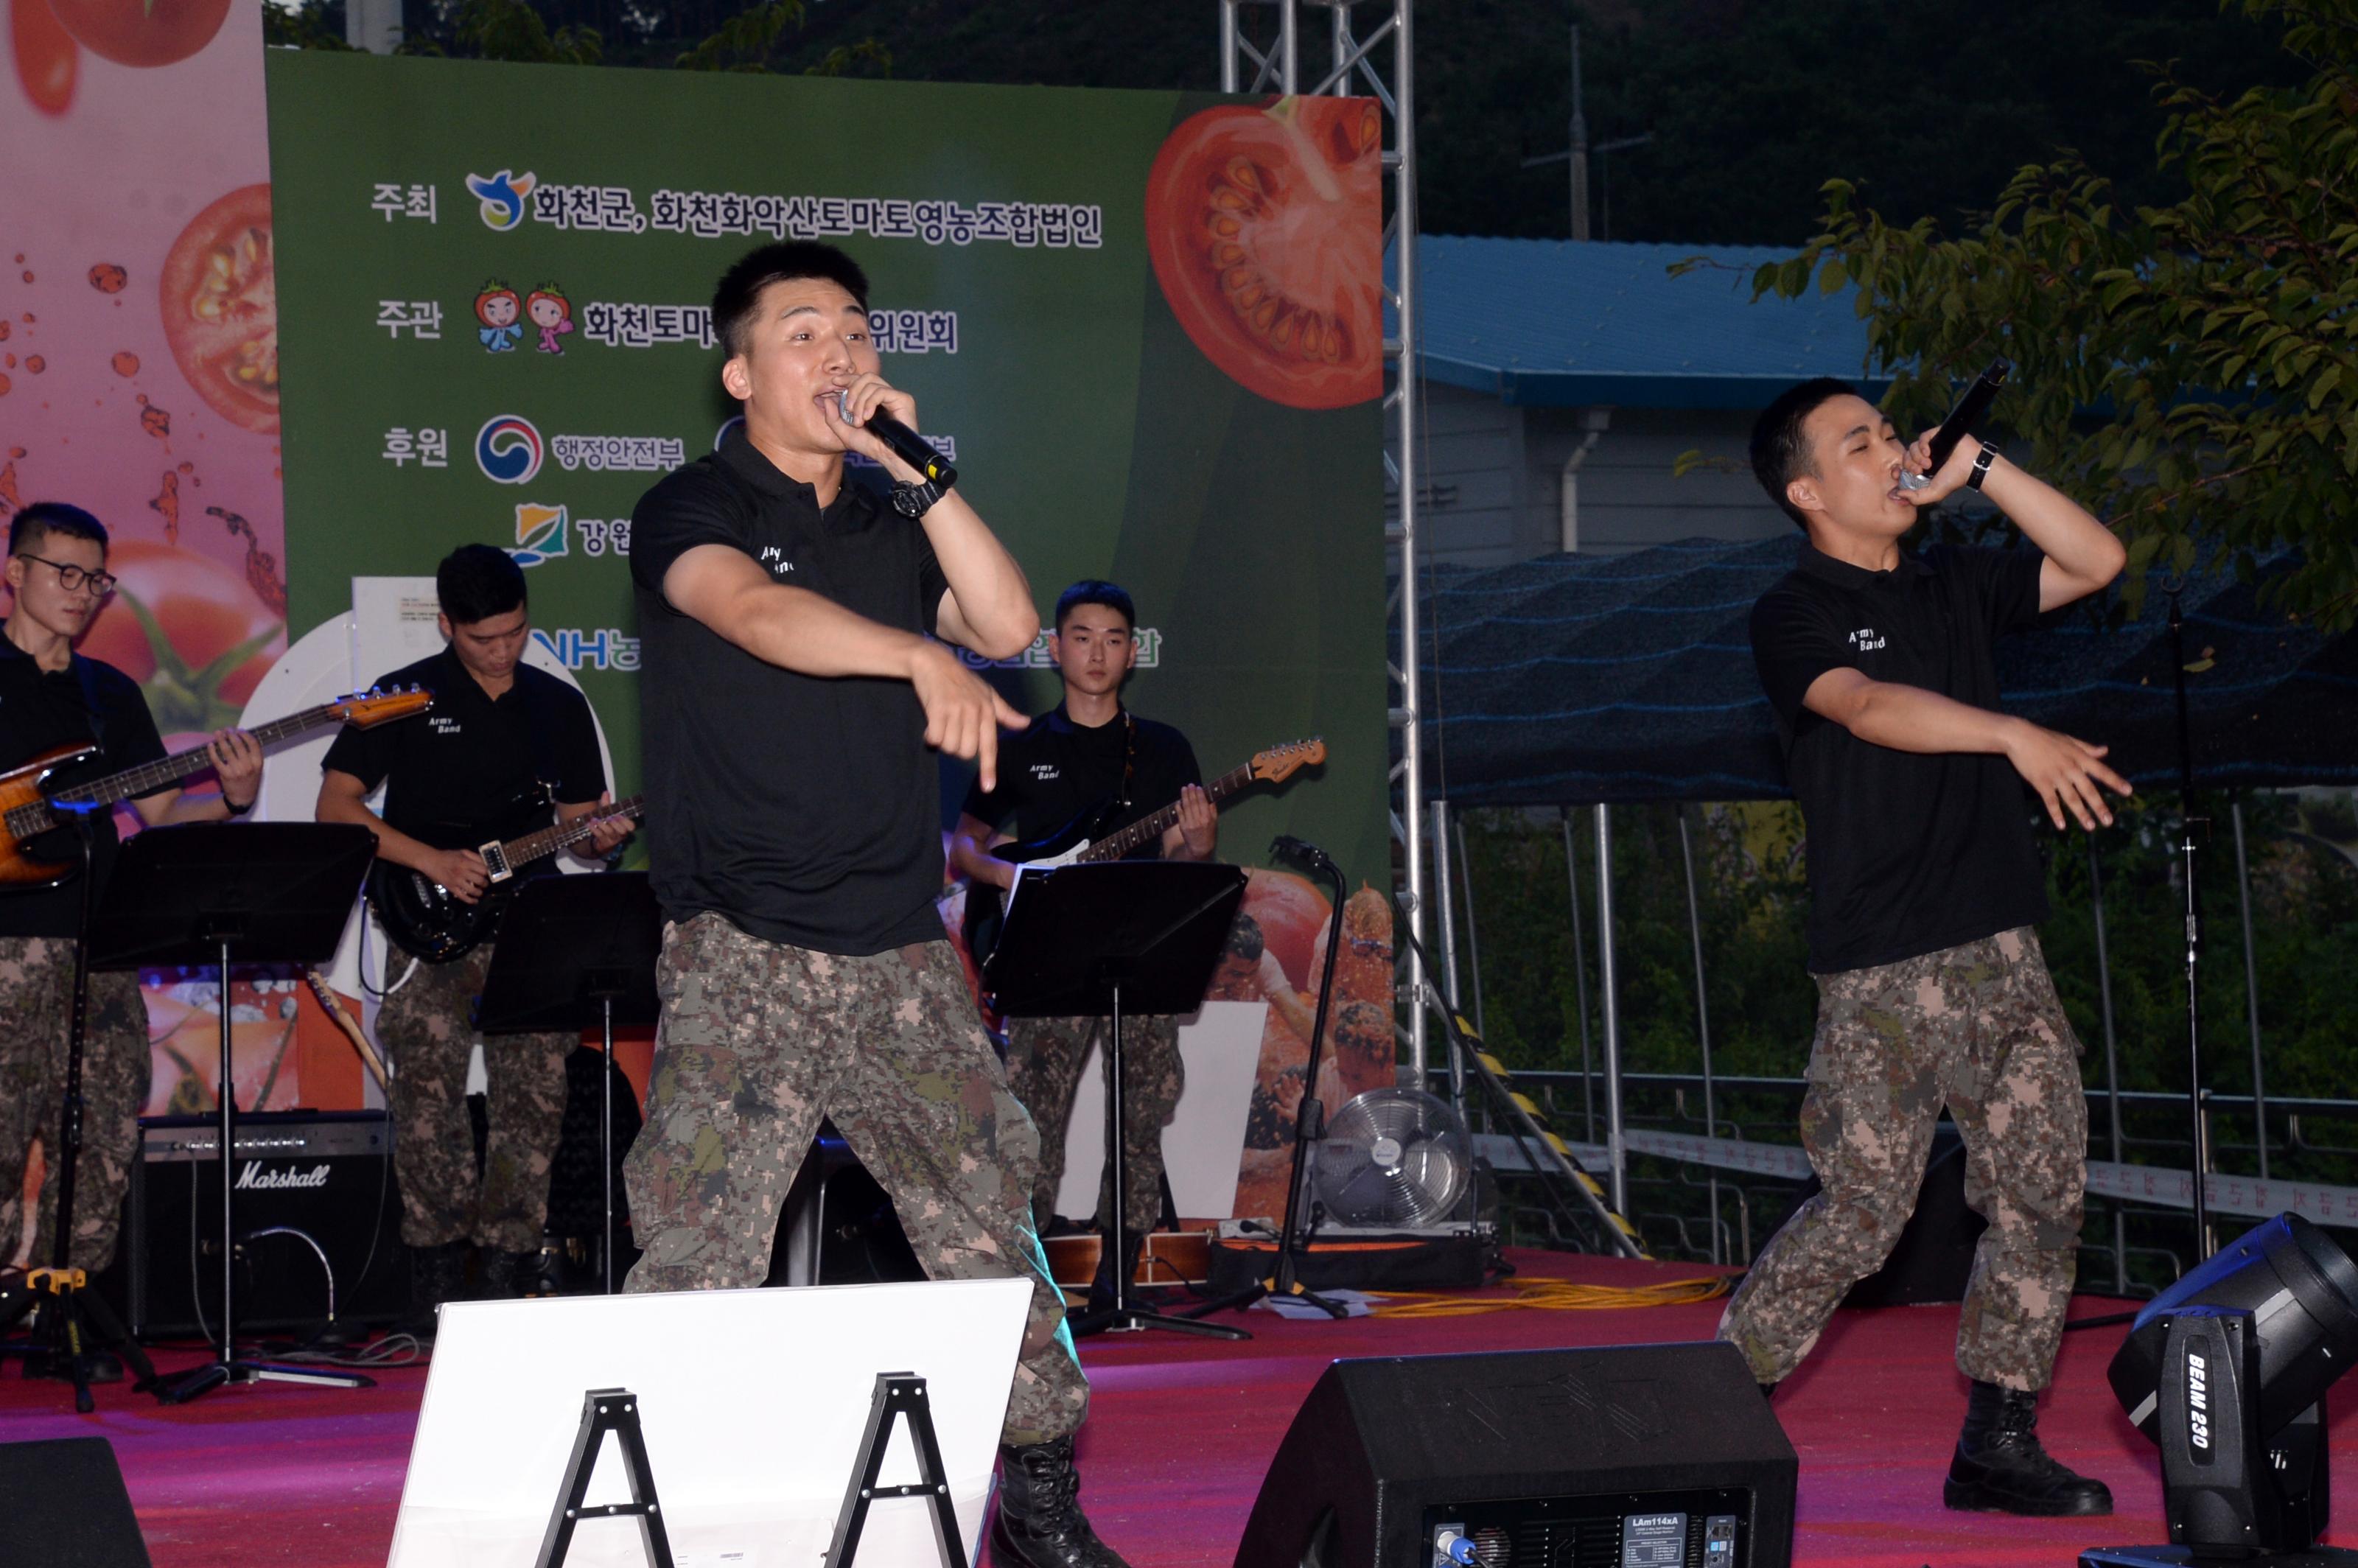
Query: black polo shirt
x,y
41,711
466,770
1054,772
1907,853
806,810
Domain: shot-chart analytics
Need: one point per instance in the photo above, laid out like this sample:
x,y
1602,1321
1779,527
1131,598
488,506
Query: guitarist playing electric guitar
x,y
1089,749
498,726
52,698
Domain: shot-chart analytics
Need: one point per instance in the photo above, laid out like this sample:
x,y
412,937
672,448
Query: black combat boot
x,y
505,1276
437,1274
1040,1522
2001,1468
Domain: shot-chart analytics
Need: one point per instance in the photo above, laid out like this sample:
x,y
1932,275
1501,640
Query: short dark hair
x,y
1089,590
1780,453
740,292
475,583
35,523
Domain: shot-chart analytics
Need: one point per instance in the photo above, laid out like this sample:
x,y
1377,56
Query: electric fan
x,y
1392,1157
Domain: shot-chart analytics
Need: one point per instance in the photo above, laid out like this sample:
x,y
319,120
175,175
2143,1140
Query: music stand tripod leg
x,y
1308,1126
227,1365
1122,1316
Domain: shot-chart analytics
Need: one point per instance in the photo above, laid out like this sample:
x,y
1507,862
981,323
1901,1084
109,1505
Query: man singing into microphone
x,y
794,698
1924,888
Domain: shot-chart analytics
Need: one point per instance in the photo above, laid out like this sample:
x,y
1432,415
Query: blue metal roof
x,y
1569,323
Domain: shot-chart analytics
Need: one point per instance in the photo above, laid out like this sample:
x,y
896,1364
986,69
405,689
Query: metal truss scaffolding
x,y
1361,36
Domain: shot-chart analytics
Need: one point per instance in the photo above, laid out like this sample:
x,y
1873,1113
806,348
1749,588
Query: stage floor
x,y
1183,1428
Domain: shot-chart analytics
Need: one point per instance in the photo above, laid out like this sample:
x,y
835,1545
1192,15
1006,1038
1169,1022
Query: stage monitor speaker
x,y
317,1209
62,1505
1634,1456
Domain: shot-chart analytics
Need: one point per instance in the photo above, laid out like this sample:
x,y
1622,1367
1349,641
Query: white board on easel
x,y
752,1403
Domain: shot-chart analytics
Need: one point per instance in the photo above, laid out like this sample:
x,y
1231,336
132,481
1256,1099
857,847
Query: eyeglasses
x,y
72,579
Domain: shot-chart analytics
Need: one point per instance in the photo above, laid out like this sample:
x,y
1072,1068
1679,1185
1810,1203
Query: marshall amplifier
x,y
319,1223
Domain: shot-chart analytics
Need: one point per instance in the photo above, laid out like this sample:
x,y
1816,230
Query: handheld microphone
x,y
1962,417
1286,847
907,445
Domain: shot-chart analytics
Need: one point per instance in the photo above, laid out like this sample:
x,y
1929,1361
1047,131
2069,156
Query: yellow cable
x,y
1551,1295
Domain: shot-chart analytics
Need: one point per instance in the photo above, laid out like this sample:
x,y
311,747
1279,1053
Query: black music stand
x,y
212,895
1096,941
578,952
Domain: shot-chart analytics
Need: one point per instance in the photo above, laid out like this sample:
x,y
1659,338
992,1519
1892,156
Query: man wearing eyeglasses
x,y
52,697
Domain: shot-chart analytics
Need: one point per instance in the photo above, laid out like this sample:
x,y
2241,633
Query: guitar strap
x,y
1128,757
86,675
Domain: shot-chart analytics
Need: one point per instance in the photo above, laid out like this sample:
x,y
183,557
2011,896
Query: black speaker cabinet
x,y
317,1211
62,1505
1635,1456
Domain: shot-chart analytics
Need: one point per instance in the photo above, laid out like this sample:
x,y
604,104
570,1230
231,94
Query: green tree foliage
x,y
504,29
1751,104
766,31
308,25
1763,1004
2187,370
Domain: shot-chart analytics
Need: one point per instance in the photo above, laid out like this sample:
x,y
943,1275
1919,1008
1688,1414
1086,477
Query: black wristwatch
x,y
238,810
1982,465
914,500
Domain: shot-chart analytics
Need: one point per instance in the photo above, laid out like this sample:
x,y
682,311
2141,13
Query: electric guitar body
x,y
1091,836
30,807
428,921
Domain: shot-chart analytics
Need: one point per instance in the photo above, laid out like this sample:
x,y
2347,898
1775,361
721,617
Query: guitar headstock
x,y
1280,762
372,708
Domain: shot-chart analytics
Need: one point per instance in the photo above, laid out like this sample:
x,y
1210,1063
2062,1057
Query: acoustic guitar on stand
x,y
27,810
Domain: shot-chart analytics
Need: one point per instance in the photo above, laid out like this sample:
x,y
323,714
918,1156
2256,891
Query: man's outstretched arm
x,y
2065,770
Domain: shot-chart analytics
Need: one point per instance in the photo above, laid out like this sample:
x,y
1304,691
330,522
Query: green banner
x,y
1143,323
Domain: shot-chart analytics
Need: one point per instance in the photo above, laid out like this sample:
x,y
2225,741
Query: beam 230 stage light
x,y
2227,1371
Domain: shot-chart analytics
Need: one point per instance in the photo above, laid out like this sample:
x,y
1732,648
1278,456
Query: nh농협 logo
x,y
509,449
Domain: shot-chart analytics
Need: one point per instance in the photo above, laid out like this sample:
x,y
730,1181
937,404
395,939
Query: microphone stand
x,y
2188,844
1309,1121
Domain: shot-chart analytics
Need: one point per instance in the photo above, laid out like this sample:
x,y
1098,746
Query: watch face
x,y
908,501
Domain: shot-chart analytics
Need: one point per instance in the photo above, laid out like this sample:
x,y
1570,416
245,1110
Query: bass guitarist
x,y
52,697
1090,755
500,733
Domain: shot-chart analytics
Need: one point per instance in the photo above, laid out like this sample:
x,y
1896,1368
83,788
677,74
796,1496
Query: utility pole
x,y
1578,154
1579,159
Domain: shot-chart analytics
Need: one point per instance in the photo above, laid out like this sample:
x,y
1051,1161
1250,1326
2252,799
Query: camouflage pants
x,y
1044,1070
426,1027
36,1016
1977,1028
757,1042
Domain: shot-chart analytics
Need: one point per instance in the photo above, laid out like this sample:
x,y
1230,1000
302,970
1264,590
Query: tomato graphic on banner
x,y
1262,226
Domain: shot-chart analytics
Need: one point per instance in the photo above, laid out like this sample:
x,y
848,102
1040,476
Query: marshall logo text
x,y
253,1178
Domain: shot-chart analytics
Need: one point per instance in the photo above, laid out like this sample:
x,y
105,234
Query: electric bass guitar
x,y
27,810
428,921
1088,839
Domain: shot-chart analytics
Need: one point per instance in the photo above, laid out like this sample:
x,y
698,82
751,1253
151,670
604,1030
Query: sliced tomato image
x,y
220,309
1264,228
47,58
142,32
189,630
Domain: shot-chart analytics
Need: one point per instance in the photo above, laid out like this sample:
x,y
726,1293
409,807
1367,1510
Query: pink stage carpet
x,y
1183,1430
